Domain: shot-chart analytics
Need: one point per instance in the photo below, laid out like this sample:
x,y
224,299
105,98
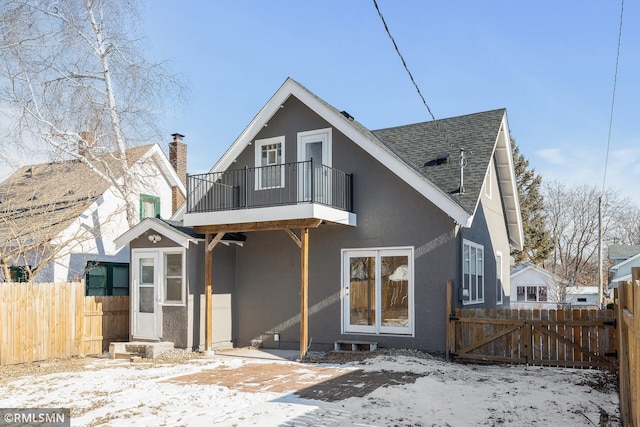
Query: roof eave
x,y
508,186
157,225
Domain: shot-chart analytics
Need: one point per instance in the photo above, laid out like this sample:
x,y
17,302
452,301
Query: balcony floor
x,y
297,212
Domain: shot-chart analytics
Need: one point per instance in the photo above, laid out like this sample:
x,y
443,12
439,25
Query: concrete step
x,y
348,345
138,349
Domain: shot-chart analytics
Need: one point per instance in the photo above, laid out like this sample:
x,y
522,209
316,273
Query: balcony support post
x,y
304,292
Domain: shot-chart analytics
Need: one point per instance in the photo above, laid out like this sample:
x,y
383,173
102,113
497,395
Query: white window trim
x,y
164,300
471,244
379,329
499,275
323,135
488,182
258,161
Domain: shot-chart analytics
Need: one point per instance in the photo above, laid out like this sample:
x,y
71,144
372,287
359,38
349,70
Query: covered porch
x,y
292,197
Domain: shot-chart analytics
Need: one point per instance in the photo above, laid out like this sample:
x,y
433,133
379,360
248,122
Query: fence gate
x,y
570,338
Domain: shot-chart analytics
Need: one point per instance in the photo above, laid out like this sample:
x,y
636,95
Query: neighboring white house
x,y
534,287
80,215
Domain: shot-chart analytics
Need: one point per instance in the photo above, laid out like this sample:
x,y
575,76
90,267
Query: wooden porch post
x,y
304,292
208,280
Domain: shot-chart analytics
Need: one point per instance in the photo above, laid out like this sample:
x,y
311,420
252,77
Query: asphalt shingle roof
x,y
39,201
419,144
623,251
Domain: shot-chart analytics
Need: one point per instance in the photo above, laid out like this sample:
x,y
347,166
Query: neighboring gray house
x,y
623,258
350,234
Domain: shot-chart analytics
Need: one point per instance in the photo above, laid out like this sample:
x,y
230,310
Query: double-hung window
x,y
473,273
173,278
378,291
269,163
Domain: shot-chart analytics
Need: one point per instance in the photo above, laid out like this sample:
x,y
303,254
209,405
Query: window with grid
x,y
173,278
269,160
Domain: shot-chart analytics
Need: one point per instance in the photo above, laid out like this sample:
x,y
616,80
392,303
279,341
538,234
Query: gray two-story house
x,y
347,234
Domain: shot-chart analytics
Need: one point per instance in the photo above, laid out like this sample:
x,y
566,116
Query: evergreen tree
x,y
537,241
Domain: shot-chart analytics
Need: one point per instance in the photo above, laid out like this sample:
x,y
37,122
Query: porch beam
x,y
304,292
258,226
294,237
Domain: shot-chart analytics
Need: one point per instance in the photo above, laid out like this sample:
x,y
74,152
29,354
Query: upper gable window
x,y
149,206
269,161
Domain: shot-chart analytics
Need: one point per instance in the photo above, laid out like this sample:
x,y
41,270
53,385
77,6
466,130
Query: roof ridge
x,y
75,159
441,119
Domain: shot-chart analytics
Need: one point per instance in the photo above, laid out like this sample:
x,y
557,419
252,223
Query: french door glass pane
x,y
395,291
362,294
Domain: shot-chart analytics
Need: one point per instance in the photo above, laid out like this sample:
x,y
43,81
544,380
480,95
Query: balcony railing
x,y
278,185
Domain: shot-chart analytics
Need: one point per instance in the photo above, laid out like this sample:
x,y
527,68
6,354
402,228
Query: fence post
x,y
448,324
634,347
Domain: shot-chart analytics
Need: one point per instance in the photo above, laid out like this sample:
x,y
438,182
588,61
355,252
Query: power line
x,y
404,63
613,97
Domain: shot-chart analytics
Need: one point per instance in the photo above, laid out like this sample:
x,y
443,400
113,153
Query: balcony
x,y
271,193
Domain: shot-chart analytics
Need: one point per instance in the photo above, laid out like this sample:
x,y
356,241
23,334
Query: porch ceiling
x,y
259,226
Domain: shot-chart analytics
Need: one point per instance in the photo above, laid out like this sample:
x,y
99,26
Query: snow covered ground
x,y
225,390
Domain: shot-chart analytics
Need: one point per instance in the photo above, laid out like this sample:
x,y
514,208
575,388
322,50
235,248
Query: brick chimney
x,y
178,159
86,142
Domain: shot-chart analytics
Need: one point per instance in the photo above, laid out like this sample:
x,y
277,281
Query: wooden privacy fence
x,y
578,338
40,321
627,306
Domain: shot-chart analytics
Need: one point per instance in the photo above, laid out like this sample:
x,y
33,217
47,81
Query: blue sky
x,y
550,64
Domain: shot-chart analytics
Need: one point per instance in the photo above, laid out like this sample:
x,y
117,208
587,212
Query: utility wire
x,y
613,97
404,63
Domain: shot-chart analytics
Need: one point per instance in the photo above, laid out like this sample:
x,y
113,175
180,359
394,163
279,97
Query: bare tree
x,y
74,74
572,215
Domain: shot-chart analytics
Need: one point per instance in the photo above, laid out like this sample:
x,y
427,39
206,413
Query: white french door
x,y
378,291
146,321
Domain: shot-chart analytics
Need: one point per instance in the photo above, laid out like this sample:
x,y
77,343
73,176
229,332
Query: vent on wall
x,y
440,159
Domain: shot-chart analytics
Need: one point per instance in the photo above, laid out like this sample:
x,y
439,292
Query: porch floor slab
x,y
262,353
